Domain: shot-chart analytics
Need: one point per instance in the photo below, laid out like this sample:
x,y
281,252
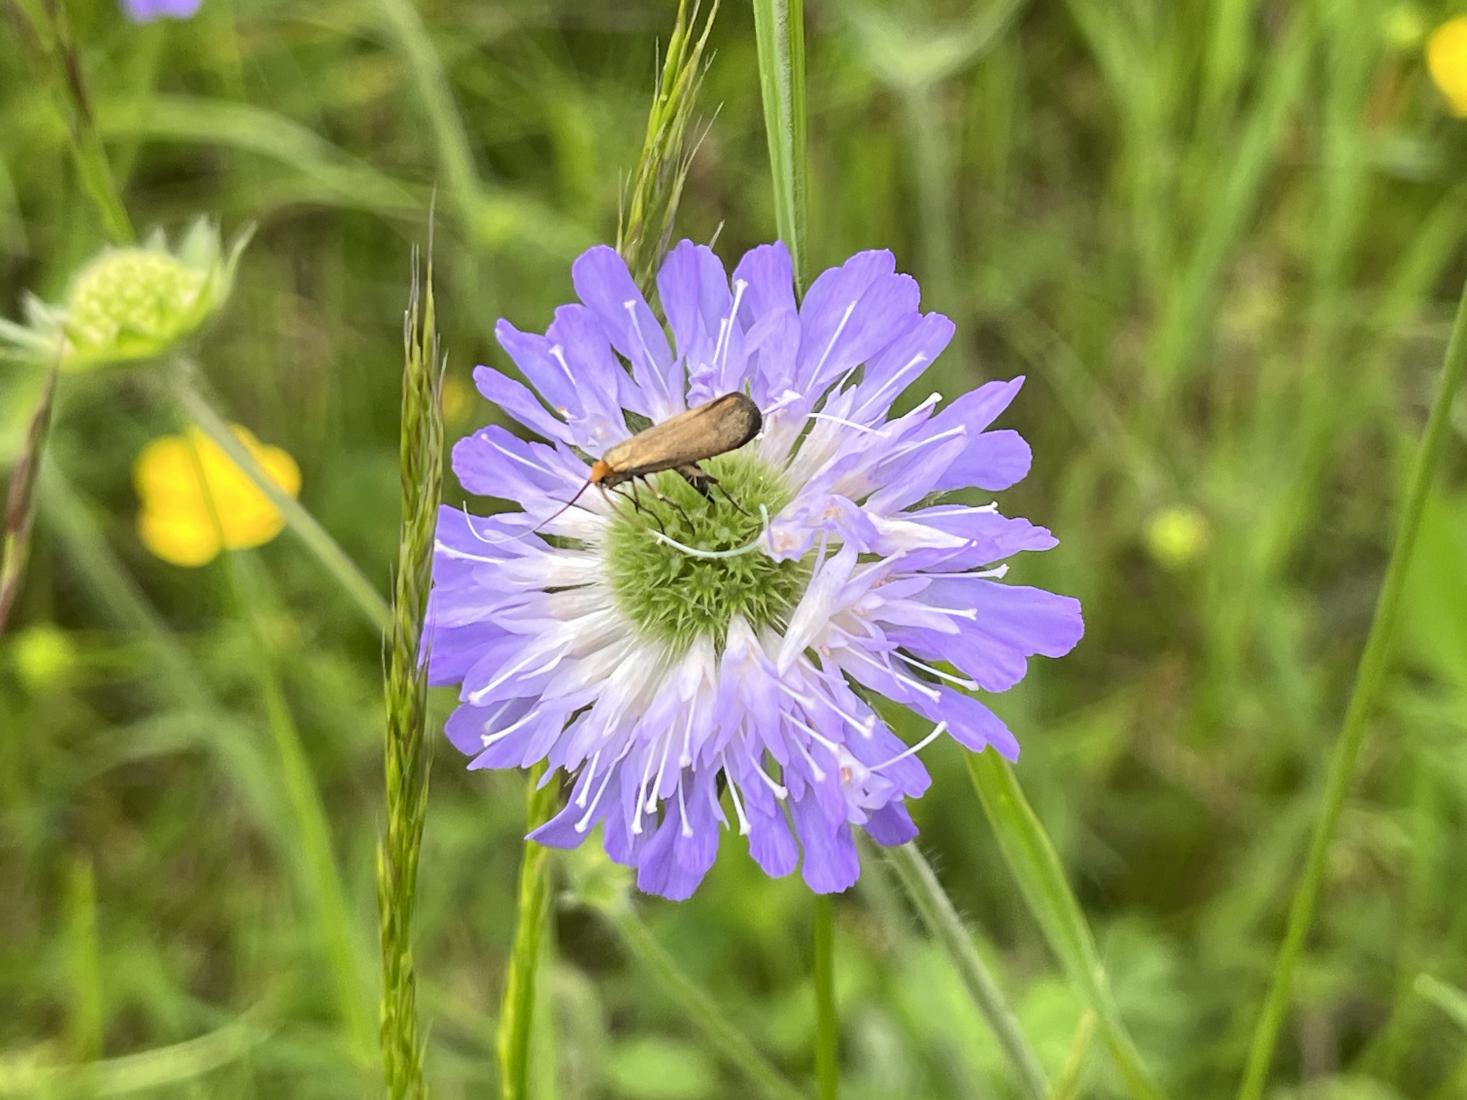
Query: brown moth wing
x,y
714,428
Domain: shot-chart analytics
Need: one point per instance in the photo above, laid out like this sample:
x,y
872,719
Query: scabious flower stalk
x,y
689,665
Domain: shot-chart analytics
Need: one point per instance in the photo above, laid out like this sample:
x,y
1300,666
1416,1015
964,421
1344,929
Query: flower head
x,y
196,501
145,11
1446,59
693,663
130,303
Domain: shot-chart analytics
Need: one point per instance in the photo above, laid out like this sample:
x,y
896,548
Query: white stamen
x,y
585,822
725,327
523,461
998,571
845,423
923,688
661,773
682,812
686,759
821,740
833,338
642,794
475,696
738,805
915,361
937,731
776,789
494,738
816,771
957,612
910,447
961,681
558,354
590,778
630,305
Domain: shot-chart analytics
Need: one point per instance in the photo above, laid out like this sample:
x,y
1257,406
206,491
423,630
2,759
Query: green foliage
x,y
1223,243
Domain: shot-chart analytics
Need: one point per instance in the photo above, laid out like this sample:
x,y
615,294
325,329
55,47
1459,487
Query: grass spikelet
x,y
407,757
20,501
668,148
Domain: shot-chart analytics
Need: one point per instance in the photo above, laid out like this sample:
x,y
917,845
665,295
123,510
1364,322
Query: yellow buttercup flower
x,y
1446,60
187,519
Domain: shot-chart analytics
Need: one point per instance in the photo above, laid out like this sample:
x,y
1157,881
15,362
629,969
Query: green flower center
x,y
131,291
676,597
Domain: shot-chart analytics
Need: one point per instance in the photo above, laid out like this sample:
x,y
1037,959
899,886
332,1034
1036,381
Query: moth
x,y
678,443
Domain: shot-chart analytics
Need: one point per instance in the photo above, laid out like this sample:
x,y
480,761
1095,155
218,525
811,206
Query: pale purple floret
x,y
145,11
771,734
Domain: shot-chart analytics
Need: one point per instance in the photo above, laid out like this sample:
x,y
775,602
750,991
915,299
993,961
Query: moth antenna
x,y
525,534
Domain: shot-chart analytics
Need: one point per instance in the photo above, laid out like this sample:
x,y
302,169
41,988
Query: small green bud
x,y
129,303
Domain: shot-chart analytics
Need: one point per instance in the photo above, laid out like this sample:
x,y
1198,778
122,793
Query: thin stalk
x,y
704,1013
20,500
455,155
779,30
406,757
307,528
1036,867
942,920
827,1026
1369,679
322,882
532,912
53,38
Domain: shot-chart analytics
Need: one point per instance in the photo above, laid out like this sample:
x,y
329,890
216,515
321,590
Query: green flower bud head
x,y
129,303
1177,536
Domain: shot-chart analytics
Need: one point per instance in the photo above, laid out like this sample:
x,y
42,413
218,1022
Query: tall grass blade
x,y
942,921
407,756
1036,867
1369,680
779,28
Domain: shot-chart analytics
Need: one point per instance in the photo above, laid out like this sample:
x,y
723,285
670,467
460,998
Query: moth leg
x,y
651,488
637,505
701,480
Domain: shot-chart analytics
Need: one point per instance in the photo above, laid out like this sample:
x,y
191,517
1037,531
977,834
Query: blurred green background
x,y
1222,239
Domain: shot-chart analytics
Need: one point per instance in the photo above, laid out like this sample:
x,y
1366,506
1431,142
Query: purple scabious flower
x,y
145,11
694,665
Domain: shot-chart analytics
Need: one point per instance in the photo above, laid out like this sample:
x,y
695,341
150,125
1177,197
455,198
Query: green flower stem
x,y
942,920
322,883
316,538
1369,679
704,1013
533,911
1036,867
827,1026
406,756
779,29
